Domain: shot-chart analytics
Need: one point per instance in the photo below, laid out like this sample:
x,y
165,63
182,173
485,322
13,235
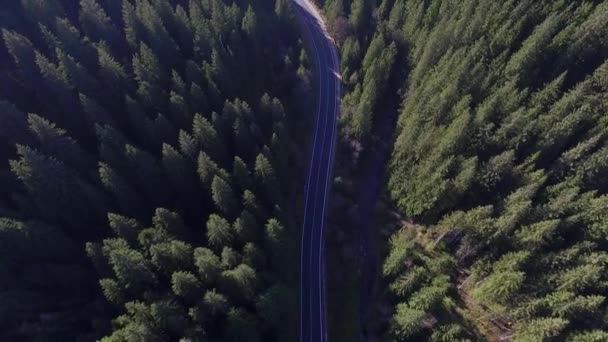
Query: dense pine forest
x,y
152,151
147,169
499,163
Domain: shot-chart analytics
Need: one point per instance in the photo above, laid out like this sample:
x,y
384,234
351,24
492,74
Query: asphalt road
x,y
312,287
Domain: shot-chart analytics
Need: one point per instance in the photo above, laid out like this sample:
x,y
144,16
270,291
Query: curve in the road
x,y
312,286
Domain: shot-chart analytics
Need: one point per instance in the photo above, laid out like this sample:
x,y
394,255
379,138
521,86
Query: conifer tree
x,y
265,176
96,23
208,265
219,232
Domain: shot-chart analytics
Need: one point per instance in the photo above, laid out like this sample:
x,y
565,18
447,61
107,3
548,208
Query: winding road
x,y
312,266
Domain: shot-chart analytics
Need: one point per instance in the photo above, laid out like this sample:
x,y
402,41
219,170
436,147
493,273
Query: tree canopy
x,y
145,134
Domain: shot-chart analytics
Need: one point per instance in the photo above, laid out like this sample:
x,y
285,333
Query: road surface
x,y
319,179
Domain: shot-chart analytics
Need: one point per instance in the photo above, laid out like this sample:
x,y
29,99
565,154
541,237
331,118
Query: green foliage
x,y
376,69
241,282
230,258
124,227
171,256
541,329
246,227
130,267
208,265
216,303
498,154
223,196
186,285
219,232
407,321
399,253
591,336
448,333
126,135
500,287
264,175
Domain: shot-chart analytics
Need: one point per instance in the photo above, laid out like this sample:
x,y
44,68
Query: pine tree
x,y
591,336
124,227
207,168
149,76
265,176
241,174
208,265
70,40
275,238
246,227
58,82
184,28
219,232
407,321
351,55
169,221
96,23
251,203
54,142
130,267
133,29
171,256
188,145
52,186
541,329
240,283
358,15
112,290
155,30
186,285
253,256
215,303
230,258
23,53
112,74
208,138
223,196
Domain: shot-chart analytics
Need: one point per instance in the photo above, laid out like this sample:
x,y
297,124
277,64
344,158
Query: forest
x,y
148,152
499,162
151,160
